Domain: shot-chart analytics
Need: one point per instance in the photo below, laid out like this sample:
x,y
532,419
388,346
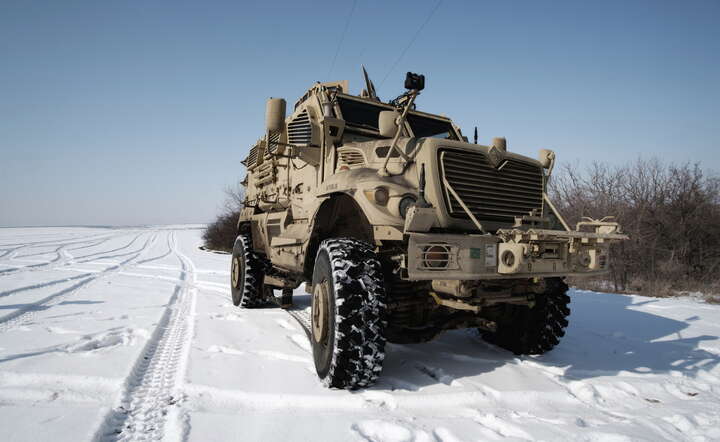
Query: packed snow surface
x,y
130,334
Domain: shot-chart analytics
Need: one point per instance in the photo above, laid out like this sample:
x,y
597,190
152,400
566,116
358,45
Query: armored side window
x,y
360,115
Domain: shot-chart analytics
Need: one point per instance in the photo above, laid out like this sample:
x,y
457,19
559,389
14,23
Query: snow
x,y
129,333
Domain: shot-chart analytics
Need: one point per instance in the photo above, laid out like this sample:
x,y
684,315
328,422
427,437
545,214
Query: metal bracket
x,y
601,226
462,204
457,305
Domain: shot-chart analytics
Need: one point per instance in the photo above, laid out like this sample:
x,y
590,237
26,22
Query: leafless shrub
x,y
220,234
671,212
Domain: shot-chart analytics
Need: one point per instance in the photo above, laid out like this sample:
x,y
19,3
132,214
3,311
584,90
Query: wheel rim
x,y
235,272
319,312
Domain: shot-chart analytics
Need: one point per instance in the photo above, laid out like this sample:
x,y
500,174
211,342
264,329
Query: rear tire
x,y
246,274
533,331
348,309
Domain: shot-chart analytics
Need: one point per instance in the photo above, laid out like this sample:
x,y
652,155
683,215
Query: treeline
x,y
671,213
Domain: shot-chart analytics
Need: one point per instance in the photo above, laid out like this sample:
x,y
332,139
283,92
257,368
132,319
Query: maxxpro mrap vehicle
x,y
400,229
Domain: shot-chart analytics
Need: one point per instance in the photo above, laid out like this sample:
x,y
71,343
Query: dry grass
x,y
709,292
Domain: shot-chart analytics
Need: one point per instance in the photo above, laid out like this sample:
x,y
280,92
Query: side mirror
x,y
387,123
546,158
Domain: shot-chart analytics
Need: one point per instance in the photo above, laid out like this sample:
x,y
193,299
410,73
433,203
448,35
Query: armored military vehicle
x,y
401,228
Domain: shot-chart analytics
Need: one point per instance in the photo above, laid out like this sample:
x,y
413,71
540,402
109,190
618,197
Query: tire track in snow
x,y
28,311
29,255
302,316
150,406
12,249
159,257
58,260
107,252
94,243
85,274
43,284
65,258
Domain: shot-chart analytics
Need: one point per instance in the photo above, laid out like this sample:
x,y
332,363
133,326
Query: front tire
x,y
348,309
533,331
246,274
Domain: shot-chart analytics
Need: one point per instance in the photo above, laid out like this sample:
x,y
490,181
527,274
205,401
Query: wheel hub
x,y
235,272
319,312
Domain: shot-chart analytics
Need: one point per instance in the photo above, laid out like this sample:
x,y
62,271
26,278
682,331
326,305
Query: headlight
x,y
436,257
379,195
508,258
405,204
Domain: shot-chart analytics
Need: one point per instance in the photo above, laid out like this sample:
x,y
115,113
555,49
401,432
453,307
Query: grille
x,y
437,256
350,157
300,130
513,189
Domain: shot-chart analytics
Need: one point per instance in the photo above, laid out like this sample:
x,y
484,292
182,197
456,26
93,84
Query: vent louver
x,y
272,142
300,130
351,158
251,158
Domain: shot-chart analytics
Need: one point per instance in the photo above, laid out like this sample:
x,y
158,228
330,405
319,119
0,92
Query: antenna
x,y
475,137
402,54
369,86
342,38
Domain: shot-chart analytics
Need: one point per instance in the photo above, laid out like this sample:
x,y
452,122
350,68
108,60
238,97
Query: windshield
x,y
429,127
358,114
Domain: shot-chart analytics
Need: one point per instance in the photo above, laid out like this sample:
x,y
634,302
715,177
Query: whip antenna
x,y
342,38
402,54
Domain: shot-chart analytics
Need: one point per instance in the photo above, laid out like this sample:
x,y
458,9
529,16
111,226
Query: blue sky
x,y
139,112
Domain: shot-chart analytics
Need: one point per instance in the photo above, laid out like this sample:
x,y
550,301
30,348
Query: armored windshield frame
x,y
369,110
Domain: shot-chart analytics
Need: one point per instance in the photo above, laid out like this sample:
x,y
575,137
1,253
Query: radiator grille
x,y
513,189
300,130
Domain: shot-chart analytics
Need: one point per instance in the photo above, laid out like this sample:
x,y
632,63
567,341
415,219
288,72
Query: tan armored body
x,y
401,229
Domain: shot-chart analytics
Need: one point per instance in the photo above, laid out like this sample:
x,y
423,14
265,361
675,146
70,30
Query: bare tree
x,y
671,212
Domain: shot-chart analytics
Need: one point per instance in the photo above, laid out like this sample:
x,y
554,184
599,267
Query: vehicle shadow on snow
x,y
446,360
606,336
415,366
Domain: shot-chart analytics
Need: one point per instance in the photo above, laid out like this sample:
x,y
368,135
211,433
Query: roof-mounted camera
x,y
414,81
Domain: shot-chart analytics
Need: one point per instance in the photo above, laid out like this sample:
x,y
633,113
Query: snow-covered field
x,y
130,334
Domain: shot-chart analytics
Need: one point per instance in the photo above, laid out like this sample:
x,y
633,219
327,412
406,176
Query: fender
x,y
339,215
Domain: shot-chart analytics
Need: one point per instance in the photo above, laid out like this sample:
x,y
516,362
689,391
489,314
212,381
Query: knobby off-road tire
x,y
348,311
246,274
532,331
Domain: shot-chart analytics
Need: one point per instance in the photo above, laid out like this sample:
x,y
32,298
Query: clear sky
x,y
139,112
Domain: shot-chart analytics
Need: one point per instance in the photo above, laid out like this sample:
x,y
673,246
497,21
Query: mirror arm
x,y
400,123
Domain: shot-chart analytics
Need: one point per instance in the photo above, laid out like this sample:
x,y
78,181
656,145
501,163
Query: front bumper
x,y
510,254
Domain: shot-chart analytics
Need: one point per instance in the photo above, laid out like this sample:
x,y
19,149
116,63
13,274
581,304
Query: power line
x,y
411,41
342,38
